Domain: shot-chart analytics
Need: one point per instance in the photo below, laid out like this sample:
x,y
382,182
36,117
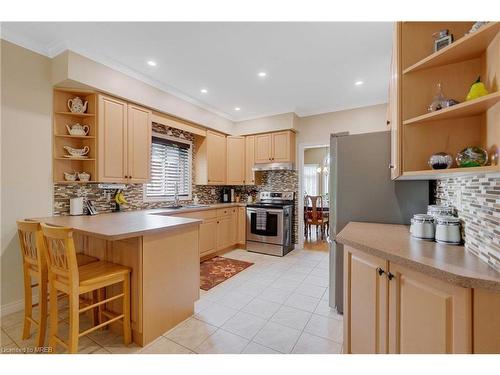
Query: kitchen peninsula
x,y
163,253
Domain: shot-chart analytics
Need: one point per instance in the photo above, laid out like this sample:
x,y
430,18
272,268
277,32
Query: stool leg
x,y
74,322
28,304
127,334
95,311
101,296
42,304
53,317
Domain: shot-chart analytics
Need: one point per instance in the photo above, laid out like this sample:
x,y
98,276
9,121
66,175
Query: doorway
x,y
314,223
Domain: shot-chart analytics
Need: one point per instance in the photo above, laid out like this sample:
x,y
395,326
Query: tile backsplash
x,y
477,201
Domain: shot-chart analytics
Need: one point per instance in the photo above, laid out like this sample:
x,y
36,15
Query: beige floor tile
x,y
165,346
275,295
235,300
11,348
254,348
202,304
277,337
244,325
261,308
310,344
302,302
291,317
252,288
301,268
222,342
216,314
325,327
325,310
4,339
317,280
113,342
12,319
286,284
85,346
191,333
310,290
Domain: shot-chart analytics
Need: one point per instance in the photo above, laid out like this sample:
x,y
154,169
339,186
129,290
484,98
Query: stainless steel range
x,y
270,223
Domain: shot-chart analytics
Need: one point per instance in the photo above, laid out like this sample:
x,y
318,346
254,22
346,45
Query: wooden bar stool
x,y
67,277
35,268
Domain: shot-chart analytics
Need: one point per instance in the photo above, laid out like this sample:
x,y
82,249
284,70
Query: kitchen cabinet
x,y
394,106
224,235
275,147
249,160
211,159
389,308
427,315
139,143
235,160
208,239
124,141
365,308
242,225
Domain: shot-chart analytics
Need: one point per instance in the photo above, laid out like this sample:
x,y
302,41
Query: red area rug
x,y
218,269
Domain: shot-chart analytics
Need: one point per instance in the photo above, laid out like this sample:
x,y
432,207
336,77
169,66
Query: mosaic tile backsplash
x,y
479,212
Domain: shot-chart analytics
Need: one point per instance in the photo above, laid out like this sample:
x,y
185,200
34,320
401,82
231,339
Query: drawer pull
x,y
380,271
390,276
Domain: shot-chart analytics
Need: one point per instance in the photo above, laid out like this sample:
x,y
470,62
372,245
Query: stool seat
x,y
83,259
100,271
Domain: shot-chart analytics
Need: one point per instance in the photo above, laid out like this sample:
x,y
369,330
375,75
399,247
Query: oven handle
x,y
276,211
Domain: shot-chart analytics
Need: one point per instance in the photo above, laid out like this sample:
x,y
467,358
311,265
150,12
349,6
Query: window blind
x,y
170,166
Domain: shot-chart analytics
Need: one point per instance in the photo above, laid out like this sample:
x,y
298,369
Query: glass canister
x,y
422,227
448,230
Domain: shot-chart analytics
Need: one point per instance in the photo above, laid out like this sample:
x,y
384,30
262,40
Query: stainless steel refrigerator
x,y
361,189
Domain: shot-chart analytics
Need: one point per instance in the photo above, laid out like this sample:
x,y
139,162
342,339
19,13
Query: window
x,y
171,163
311,179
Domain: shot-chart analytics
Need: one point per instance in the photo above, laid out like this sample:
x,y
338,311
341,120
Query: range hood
x,y
273,167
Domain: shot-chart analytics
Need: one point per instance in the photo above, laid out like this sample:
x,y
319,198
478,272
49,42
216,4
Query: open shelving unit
x,y
61,137
456,67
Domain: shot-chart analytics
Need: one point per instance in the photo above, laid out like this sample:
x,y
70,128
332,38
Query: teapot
x,y
77,129
76,105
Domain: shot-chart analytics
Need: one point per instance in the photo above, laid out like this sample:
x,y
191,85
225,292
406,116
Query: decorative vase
x,y
472,157
440,160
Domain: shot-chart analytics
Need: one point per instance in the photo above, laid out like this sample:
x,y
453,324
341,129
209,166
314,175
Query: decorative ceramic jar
x,y
77,129
70,176
83,176
422,227
77,152
76,105
448,230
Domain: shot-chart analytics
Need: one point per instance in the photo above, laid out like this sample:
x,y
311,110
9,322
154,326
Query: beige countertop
x,y
394,243
121,225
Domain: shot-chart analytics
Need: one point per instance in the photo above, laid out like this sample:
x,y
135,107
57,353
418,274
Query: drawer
x,y
202,215
226,211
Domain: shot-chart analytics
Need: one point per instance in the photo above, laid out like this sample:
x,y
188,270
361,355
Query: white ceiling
x,y
311,66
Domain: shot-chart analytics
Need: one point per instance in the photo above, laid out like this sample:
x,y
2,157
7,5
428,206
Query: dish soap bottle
x,y
195,199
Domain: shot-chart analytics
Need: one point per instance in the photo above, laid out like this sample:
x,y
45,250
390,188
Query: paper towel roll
x,y
76,206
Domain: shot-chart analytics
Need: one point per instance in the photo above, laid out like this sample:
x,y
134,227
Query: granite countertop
x,y
120,225
452,264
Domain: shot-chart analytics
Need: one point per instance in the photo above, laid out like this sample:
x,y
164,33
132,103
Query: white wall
x,y
317,129
26,173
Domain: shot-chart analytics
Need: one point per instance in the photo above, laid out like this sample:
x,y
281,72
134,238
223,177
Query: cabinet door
x,y
249,160
393,109
235,160
242,225
223,232
233,231
139,143
216,158
427,315
365,303
208,236
112,140
263,148
281,147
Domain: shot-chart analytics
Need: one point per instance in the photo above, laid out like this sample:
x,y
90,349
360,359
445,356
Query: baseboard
x,y
15,306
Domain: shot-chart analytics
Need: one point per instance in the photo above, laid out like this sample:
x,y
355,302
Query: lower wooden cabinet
x,y
391,309
242,225
208,240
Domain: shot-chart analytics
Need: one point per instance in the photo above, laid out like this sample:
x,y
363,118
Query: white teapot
x,y
77,129
76,105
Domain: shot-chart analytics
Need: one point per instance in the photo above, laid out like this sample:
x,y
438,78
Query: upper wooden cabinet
x,y
211,159
275,147
249,160
139,143
235,160
416,72
124,141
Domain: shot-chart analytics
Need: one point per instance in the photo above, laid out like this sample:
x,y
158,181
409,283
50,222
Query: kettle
x,y
76,105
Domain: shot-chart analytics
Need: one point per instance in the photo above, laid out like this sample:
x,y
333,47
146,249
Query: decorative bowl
x,y
77,151
70,176
472,157
84,176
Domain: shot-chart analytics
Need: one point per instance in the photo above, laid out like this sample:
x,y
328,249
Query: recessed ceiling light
x,y
204,91
151,63
262,74
358,83
237,108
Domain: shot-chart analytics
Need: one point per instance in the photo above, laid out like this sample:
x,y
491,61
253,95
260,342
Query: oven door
x,y
273,233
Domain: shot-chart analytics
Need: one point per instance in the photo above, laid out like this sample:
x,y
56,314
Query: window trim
x,y
188,197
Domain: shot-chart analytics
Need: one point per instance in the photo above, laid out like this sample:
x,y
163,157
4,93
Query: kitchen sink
x,y
195,205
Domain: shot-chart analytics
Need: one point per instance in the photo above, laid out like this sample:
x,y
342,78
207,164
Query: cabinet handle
x,y
388,122
390,276
391,166
380,271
